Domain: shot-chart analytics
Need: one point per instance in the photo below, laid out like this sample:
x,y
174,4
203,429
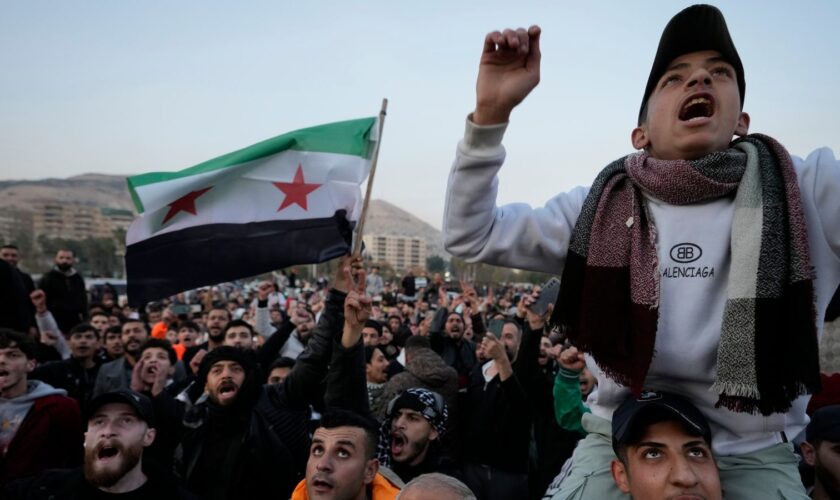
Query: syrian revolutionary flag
x,y
290,200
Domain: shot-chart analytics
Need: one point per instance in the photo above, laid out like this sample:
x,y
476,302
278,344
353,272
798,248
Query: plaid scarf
x,y
609,298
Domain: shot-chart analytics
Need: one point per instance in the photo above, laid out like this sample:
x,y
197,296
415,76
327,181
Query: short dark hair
x,y
238,322
9,245
192,325
417,342
113,330
282,362
335,417
369,350
66,250
160,344
10,338
81,328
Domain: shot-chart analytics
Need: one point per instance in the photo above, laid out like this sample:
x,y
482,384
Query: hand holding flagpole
x,y
357,243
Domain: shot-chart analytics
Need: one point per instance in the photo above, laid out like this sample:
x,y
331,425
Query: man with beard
x,y
496,405
77,374
239,333
120,426
253,440
821,450
217,319
449,342
65,289
410,436
342,462
117,374
40,428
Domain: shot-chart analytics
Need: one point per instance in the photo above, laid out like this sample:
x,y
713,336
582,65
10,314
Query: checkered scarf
x,y
609,298
428,403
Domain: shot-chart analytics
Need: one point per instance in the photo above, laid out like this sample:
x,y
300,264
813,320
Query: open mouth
x,y
697,107
107,453
320,485
227,390
4,373
397,444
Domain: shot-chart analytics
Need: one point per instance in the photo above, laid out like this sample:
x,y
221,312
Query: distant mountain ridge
x,y
110,191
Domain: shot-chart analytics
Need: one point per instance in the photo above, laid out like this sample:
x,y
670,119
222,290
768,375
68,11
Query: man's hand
x,y
159,382
357,308
495,350
509,70
340,282
535,321
572,359
49,338
195,362
137,383
39,300
263,290
470,297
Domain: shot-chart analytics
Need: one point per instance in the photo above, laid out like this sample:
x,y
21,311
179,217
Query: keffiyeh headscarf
x,y
428,403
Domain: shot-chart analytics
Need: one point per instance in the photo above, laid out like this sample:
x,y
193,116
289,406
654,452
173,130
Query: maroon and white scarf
x,y
609,297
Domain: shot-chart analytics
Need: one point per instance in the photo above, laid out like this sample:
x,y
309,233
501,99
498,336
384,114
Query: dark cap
x,y
635,413
140,403
696,28
824,425
245,358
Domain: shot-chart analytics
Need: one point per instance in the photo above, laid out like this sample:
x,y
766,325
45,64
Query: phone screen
x,y
494,326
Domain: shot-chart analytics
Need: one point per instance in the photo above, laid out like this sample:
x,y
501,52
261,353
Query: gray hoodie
x,y
14,410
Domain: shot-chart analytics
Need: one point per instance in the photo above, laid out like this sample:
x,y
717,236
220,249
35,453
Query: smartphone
x,y
494,326
548,295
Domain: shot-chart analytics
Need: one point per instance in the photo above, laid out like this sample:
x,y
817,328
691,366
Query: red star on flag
x,y
185,203
295,191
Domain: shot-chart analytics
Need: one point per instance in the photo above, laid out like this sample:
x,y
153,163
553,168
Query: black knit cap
x,y
245,358
696,28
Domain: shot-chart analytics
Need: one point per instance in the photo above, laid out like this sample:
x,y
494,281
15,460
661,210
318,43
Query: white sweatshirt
x,y
693,248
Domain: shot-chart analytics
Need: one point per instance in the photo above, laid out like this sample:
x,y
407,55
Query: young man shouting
x,y
696,248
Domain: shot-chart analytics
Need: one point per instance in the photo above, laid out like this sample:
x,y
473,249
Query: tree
x,y
435,264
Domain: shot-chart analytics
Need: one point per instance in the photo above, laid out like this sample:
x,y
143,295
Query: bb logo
x,y
685,253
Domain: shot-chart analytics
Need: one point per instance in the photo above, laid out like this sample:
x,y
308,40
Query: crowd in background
x,y
248,389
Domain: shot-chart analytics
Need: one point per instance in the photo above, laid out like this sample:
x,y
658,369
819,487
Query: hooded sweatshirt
x,y
43,429
14,410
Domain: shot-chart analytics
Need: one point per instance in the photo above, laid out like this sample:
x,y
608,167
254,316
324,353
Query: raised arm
x,y
474,227
509,70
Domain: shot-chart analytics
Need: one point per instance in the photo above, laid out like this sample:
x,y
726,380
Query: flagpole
x,y
357,244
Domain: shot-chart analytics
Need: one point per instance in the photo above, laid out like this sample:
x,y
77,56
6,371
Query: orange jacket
x,y
382,489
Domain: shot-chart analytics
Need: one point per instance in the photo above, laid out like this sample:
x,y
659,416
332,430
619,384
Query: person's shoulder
x,y
51,483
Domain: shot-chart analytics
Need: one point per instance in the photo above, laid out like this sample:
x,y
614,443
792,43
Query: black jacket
x,y
68,374
70,484
66,298
266,446
459,354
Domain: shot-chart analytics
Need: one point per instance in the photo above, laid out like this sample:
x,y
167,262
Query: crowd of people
x,y
642,380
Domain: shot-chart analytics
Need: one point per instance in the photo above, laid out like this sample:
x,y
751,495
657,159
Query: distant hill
x,y
110,191
88,189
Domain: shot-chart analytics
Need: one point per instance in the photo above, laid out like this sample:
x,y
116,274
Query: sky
x,y
126,87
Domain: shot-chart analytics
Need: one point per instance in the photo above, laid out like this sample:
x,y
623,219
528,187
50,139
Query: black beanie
x,y
245,358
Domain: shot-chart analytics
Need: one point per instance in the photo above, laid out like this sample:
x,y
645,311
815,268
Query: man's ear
x,y
619,474
371,468
808,452
30,365
742,128
149,437
639,137
433,435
